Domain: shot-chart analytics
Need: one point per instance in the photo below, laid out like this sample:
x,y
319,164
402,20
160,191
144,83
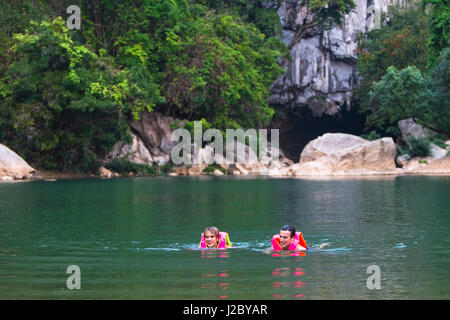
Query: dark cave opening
x,y
298,127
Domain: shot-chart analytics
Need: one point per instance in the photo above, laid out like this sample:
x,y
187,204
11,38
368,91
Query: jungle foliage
x,y
404,68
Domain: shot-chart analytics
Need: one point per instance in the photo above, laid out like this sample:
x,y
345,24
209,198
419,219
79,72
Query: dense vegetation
x,y
66,96
404,69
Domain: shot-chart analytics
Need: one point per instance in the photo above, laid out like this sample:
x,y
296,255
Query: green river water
x,y
137,238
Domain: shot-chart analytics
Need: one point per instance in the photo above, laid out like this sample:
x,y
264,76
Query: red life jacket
x,y
223,240
298,240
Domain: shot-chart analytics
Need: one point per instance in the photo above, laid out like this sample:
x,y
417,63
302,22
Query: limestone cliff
x,y
322,73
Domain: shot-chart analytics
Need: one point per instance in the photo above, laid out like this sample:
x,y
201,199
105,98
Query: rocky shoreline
x,y
331,155
437,169
53,176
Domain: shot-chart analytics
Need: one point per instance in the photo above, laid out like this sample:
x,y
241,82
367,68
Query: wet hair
x,y
290,228
213,230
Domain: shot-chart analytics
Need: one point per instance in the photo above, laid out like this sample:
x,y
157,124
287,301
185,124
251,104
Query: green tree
x,y
221,69
399,94
67,96
250,11
439,19
65,106
401,42
406,93
210,63
440,84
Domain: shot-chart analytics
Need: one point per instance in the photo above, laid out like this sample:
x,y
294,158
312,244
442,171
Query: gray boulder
x,y
410,128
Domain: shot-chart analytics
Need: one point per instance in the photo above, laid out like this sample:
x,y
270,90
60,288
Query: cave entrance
x,y
298,127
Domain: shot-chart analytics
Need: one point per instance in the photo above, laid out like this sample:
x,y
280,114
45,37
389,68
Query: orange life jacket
x,y
298,240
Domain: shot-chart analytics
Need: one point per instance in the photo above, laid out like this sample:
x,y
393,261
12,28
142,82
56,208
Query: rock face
x,y
192,170
437,163
345,154
409,128
135,152
433,166
105,173
322,73
12,166
245,163
151,143
154,130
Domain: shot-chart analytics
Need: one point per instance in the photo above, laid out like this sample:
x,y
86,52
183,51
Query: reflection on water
x,y
286,282
287,277
216,281
214,253
289,253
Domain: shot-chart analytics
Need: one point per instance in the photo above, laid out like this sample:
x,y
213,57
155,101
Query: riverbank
x,y
330,155
311,169
68,175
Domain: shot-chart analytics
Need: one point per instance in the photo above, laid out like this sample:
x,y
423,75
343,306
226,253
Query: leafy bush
x,y
165,169
439,26
212,59
400,42
64,106
404,68
418,147
66,96
407,93
210,169
373,135
439,142
124,167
